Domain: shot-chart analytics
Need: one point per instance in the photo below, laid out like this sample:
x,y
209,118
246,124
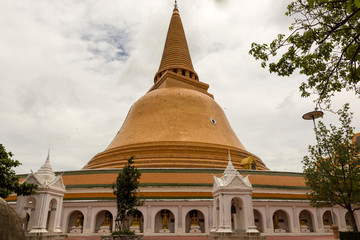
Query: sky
x,y
70,71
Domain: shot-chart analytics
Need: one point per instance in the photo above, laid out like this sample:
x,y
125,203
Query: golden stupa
x,y
177,124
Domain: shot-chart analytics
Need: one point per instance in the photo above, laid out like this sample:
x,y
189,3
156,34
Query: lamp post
x,y
312,116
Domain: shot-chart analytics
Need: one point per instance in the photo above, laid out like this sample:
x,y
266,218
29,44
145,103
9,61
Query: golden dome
x,y
177,124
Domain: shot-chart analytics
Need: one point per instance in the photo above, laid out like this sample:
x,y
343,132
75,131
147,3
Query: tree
x,y
324,45
9,182
332,170
126,189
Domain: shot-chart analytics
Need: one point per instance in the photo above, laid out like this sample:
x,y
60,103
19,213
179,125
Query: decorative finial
x,y
48,156
176,6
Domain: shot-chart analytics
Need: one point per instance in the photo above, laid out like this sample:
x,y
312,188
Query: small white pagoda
x,y
42,210
233,216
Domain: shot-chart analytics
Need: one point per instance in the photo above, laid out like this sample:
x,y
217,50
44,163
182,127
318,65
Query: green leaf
x,y
311,3
357,3
348,6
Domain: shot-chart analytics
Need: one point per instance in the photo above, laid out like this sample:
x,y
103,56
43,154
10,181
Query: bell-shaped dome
x,y
177,124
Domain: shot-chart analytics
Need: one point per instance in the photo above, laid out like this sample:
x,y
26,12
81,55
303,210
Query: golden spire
x,y
176,55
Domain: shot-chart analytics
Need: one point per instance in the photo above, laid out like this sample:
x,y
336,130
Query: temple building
x,y
197,177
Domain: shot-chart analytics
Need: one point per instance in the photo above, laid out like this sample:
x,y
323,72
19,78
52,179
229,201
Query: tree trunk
x,y
353,220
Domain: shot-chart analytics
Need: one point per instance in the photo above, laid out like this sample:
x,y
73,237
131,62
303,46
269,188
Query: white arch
x,y
237,214
141,219
71,219
258,219
306,221
283,221
159,220
200,217
99,218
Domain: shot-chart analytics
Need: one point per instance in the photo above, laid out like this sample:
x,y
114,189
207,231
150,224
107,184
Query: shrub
x,y
350,235
125,232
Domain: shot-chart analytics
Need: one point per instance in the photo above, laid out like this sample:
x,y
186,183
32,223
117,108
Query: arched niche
x,y
26,222
103,222
164,221
136,222
28,213
51,216
258,219
349,222
193,218
75,221
306,221
327,218
237,214
281,221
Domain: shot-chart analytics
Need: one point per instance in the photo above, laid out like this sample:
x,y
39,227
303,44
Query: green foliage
x,y
324,45
125,190
332,169
9,182
124,232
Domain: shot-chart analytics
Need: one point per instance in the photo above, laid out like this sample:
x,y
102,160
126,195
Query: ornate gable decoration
x,y
45,178
231,179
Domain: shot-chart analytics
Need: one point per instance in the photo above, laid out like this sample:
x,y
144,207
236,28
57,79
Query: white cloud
x,y
70,70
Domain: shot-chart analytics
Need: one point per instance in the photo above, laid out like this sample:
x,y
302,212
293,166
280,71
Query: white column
x,y
58,215
180,222
148,220
41,213
341,219
52,218
209,220
87,221
269,220
20,207
215,223
249,214
295,222
32,218
221,212
227,213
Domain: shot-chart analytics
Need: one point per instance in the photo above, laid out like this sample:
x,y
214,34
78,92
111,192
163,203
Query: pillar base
x,y
47,236
38,230
235,235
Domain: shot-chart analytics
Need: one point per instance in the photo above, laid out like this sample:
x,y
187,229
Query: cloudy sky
x,y
70,71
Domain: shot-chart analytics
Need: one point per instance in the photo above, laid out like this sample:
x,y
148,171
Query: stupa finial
x,y
48,156
175,5
176,56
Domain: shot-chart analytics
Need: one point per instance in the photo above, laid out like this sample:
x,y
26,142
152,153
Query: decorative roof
x,y
46,179
45,174
176,55
231,178
230,170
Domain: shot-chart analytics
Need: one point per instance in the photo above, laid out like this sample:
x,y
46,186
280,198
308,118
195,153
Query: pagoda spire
x,y
176,55
46,169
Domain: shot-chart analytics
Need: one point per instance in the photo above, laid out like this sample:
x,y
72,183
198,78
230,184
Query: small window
x,y
253,166
212,120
